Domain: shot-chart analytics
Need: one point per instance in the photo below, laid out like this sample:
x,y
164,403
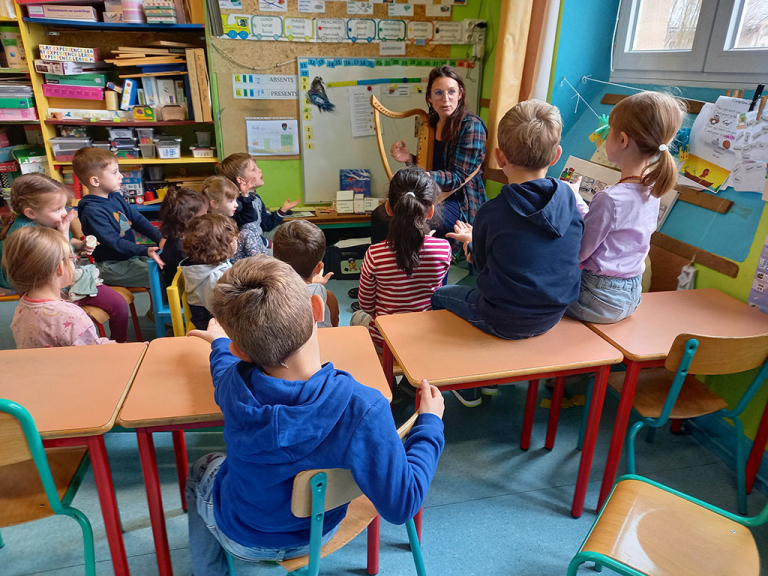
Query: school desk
x,y
173,391
74,394
452,354
646,336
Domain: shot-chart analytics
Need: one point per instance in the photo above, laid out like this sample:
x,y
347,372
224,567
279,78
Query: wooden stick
x,y
762,106
727,92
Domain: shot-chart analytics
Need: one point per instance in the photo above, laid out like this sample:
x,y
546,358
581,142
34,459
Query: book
x,y
63,12
180,99
130,90
202,81
150,91
17,102
77,79
194,88
166,92
68,68
68,53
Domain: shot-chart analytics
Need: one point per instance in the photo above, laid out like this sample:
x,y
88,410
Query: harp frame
x,y
425,138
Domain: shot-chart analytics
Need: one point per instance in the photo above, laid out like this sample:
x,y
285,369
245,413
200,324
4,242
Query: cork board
x,y
278,57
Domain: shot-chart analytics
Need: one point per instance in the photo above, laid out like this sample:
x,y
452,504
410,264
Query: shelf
x,y
147,207
4,19
184,160
14,71
116,26
4,122
126,123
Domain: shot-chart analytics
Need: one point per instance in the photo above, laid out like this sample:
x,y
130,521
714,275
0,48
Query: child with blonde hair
x,y
620,220
37,200
40,264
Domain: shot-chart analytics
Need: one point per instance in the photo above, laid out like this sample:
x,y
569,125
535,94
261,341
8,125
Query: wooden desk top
x,y
173,385
73,391
445,349
334,218
649,332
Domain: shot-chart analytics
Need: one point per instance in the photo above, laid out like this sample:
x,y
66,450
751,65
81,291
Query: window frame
x,y
720,59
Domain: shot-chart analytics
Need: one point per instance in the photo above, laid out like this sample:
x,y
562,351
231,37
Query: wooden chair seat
x,y
360,513
21,492
127,293
653,386
96,314
660,534
396,369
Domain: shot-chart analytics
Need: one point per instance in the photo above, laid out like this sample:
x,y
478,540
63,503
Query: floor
x,y
492,509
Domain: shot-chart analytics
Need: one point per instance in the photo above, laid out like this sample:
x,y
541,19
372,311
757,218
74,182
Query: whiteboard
x,y
327,143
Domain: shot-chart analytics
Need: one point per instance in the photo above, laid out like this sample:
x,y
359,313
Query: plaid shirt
x,y
462,157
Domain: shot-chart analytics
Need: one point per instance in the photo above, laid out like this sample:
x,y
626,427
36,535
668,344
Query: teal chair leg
x,y
585,414
85,526
598,568
741,481
1,541
631,445
650,434
413,538
230,563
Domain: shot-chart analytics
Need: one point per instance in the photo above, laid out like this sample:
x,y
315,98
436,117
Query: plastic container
x,y
147,150
65,146
203,139
203,152
103,145
155,173
169,148
115,133
146,136
128,153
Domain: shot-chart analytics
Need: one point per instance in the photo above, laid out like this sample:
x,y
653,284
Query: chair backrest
x,y
177,302
716,355
156,283
340,486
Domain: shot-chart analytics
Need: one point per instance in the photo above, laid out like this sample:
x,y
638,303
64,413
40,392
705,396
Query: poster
x,y
264,87
312,6
361,111
273,5
272,136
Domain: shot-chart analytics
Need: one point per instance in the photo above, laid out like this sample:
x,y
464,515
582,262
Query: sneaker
x,y
470,397
355,306
353,292
489,390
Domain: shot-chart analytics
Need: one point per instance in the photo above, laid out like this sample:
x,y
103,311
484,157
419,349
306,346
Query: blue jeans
x,y
206,542
462,301
606,299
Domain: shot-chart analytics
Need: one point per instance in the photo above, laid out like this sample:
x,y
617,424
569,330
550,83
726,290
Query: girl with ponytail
x,y
401,273
619,221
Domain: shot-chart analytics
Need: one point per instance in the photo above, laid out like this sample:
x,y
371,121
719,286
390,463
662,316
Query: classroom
x,y
446,287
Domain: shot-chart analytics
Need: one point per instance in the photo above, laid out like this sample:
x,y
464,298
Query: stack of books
x,y
63,12
72,72
17,101
160,11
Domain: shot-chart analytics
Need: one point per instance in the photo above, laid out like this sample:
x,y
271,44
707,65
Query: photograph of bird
x,y
318,97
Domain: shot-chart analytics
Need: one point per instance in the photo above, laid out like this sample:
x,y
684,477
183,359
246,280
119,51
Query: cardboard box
x,y
69,68
68,53
345,202
359,204
62,12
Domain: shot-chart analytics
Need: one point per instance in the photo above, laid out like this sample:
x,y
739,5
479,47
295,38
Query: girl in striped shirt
x,y
401,273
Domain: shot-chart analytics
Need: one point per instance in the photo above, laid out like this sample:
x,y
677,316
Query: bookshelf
x,y
154,161
115,26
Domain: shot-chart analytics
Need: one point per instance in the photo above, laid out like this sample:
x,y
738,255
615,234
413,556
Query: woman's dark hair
x,y
177,210
453,124
411,194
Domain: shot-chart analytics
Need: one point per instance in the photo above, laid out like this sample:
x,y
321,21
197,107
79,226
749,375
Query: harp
x,y
425,139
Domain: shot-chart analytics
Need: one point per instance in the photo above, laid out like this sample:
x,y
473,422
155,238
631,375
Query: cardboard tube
x,y
111,98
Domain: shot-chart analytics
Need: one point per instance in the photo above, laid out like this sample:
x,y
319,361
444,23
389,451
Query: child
x,y
177,209
40,263
285,412
302,245
105,214
525,242
209,242
38,200
251,216
619,221
401,273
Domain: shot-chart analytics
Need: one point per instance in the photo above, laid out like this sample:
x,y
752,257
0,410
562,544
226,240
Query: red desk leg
x,y
154,500
182,464
530,409
388,366
758,449
619,430
373,546
106,491
417,522
554,412
590,438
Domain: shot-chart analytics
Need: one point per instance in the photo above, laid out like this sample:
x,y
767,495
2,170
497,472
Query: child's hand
x,y
214,332
288,205
431,400
63,226
320,279
152,253
400,152
467,253
461,232
86,250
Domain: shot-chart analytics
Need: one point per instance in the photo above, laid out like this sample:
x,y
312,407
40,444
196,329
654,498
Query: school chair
x,y
36,482
159,301
8,296
648,529
177,302
317,491
100,317
673,392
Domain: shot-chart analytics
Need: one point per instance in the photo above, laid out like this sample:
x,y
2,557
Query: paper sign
x,y
758,293
449,32
748,177
392,48
361,29
398,90
270,27
272,136
359,8
400,10
296,28
231,4
331,29
313,6
237,26
361,111
391,30
438,11
419,31
264,87
273,5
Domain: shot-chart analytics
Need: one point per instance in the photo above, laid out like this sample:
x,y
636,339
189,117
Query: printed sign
x,y
420,32
361,29
391,30
298,28
331,29
267,27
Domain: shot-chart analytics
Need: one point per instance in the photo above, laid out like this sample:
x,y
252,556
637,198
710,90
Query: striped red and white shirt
x,y
385,289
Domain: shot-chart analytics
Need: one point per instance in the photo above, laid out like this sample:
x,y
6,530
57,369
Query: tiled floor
x,y
492,509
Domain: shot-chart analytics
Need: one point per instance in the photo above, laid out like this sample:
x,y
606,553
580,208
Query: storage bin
x,y
103,145
67,146
346,262
128,153
203,139
147,150
203,152
155,173
115,133
169,148
146,136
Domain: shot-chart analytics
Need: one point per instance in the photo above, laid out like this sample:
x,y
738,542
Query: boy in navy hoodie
x,y
104,213
525,242
285,412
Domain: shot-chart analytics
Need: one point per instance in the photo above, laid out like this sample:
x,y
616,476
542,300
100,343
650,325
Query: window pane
x,y
753,25
667,24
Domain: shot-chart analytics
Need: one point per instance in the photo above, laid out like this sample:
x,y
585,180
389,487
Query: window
x,y
694,41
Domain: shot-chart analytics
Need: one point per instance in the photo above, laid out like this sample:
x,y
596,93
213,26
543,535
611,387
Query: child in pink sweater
x,y
39,263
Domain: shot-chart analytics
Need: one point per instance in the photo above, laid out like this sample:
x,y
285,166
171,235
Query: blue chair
x,y
36,483
159,299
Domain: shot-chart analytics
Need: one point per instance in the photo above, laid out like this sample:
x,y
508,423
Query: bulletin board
x,y
332,141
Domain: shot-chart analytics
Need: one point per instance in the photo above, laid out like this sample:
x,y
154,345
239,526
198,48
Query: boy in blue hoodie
x,y
286,412
525,242
104,213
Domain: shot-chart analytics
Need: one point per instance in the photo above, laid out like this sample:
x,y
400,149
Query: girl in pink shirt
x,y
401,273
40,263
619,221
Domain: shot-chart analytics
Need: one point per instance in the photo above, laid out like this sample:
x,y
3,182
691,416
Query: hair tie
x,y
410,194
663,147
